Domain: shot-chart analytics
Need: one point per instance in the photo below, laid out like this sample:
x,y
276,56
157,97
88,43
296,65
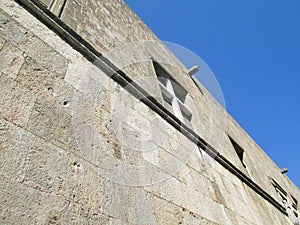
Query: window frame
x,y
174,95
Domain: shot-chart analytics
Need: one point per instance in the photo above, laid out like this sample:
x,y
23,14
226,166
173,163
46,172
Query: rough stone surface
x,y
10,30
38,79
77,148
16,101
43,54
2,42
11,60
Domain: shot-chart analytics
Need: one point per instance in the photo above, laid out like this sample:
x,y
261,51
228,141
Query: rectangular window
x,y
173,94
289,202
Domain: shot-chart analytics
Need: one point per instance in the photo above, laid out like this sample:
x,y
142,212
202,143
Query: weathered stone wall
x,y
77,148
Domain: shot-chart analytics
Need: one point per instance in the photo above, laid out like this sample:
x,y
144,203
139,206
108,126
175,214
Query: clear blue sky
x,y
253,48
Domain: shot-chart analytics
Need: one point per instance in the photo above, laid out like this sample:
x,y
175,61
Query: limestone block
x,y
78,214
115,200
170,163
204,206
94,138
10,30
33,25
204,185
47,167
51,123
142,211
282,219
2,42
16,102
171,141
169,190
200,162
114,221
84,75
11,60
236,219
63,96
28,205
192,199
240,208
82,184
38,79
166,213
43,53
72,11
227,186
257,203
8,6
14,150
191,218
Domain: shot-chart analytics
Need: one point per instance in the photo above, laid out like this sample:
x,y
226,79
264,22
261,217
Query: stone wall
x,y
76,147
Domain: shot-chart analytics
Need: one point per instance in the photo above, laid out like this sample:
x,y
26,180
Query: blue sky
x,y
253,48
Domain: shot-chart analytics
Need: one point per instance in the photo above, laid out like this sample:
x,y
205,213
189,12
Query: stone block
x,y
14,150
47,167
241,208
115,200
51,123
166,213
80,214
11,60
237,219
142,211
63,96
10,30
169,190
38,79
43,53
2,42
83,75
114,221
191,218
204,185
83,183
28,205
16,102
204,206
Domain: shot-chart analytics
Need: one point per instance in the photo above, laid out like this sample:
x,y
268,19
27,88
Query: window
x,y
294,206
238,149
173,95
281,192
289,202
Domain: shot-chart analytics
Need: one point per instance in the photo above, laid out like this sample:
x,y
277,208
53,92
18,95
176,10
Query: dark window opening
x,y
294,205
287,199
278,188
238,149
281,192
